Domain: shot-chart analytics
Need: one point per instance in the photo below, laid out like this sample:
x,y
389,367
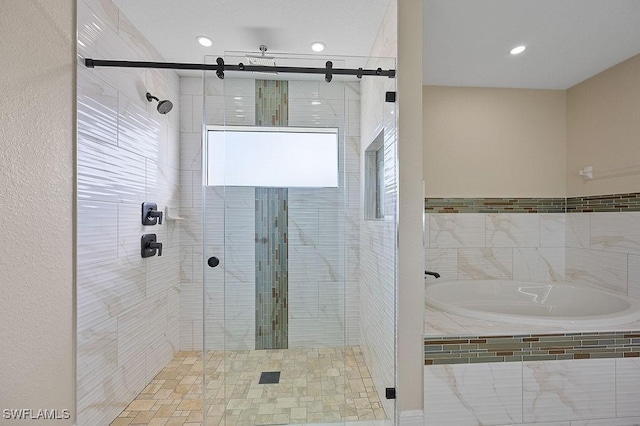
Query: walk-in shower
x,y
259,310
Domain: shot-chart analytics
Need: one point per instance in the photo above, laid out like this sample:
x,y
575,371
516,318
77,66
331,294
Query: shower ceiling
x,y
288,26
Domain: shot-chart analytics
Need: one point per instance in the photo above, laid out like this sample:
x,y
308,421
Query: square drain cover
x,y
269,377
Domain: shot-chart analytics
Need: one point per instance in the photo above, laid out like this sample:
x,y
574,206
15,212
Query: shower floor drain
x,y
269,377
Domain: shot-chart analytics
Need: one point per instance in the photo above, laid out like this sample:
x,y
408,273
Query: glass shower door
x,y
282,216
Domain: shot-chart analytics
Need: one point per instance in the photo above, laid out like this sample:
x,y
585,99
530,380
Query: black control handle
x,y
155,213
149,246
157,246
213,261
151,215
434,274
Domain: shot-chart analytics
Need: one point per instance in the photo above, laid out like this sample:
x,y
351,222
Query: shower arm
x,y
220,67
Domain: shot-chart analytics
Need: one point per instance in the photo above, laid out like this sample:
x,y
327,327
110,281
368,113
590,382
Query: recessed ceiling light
x,y
204,41
518,50
316,103
318,46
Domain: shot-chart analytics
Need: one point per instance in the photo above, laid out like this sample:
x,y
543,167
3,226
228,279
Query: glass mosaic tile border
x,y
530,347
495,205
272,227
627,202
624,202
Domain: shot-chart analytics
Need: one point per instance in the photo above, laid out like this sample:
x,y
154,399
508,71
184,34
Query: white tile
x,y
97,355
442,261
97,108
633,269
473,394
513,230
190,151
484,263
456,230
191,86
631,421
107,11
109,173
134,39
186,113
138,131
538,264
616,232
110,397
108,289
578,230
304,89
552,229
568,390
627,388
131,229
97,232
303,300
598,268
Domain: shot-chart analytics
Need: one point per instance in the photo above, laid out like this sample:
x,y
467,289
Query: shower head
x,y
163,106
263,60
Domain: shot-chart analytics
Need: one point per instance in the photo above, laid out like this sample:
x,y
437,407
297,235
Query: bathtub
x,y
547,304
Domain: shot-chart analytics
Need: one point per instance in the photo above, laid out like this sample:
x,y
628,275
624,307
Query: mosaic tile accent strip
x,y
272,103
531,347
272,275
272,252
604,203
494,205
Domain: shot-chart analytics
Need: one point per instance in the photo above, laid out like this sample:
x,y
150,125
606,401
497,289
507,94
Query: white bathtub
x,y
562,305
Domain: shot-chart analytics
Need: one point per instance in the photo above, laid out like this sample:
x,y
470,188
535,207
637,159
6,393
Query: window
x,y
272,157
374,179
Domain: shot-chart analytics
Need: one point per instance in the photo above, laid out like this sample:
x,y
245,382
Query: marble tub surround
x,y
496,246
603,249
316,386
438,324
577,392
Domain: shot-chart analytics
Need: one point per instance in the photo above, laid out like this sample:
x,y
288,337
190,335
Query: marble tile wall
x,y
603,250
323,292
231,101
127,153
576,392
323,224
518,246
378,248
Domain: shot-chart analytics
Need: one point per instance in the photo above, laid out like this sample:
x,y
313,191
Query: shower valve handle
x,y
150,214
155,213
157,246
149,246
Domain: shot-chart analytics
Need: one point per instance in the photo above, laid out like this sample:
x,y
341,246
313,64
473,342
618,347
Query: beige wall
x,y
37,196
411,205
603,131
486,142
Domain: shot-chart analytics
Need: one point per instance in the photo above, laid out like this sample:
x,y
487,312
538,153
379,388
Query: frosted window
x,y
272,157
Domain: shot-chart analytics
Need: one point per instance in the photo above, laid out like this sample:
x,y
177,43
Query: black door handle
x,y
213,261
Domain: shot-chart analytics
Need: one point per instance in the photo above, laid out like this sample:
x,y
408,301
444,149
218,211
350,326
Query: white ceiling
x,y
467,42
288,26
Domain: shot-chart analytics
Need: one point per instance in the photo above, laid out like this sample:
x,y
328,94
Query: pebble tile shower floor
x,y
316,386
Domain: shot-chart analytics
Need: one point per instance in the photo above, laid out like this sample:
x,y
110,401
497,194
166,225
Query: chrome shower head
x,y
163,106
